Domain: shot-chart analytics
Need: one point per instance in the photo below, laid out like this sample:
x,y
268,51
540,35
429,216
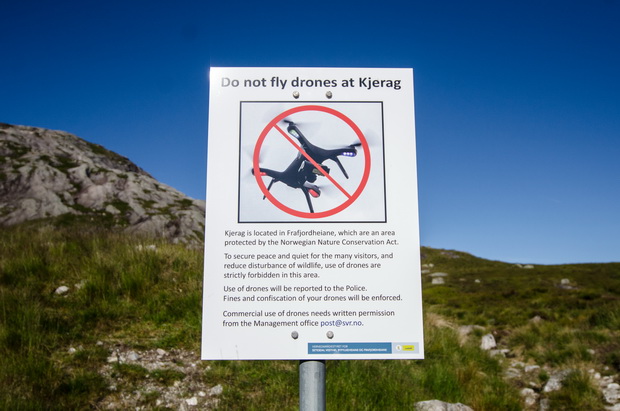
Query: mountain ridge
x,y
49,173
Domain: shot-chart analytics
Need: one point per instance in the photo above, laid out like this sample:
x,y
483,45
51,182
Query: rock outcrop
x,y
46,173
436,405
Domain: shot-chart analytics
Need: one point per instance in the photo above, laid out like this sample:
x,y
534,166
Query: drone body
x,y
319,154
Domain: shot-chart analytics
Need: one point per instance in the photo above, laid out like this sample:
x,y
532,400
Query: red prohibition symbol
x,y
350,197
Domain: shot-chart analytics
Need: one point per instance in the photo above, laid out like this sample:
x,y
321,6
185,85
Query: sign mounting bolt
x,y
328,94
295,335
296,94
330,334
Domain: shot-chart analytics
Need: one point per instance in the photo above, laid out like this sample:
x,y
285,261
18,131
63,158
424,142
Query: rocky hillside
x,y
46,173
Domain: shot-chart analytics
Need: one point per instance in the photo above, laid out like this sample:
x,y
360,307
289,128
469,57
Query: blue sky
x,y
517,103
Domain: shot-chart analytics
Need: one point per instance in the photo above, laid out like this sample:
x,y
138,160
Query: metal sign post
x,y
312,385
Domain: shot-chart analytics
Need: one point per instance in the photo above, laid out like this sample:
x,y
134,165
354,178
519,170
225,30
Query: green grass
x,y
578,393
123,293
115,287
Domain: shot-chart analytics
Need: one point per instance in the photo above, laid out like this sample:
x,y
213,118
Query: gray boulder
x,y
488,342
555,380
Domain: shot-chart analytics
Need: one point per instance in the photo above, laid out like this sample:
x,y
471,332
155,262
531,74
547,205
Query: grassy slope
x,y
146,300
585,315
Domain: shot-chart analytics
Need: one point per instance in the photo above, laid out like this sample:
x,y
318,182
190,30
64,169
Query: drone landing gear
x,y
311,191
308,200
273,180
341,167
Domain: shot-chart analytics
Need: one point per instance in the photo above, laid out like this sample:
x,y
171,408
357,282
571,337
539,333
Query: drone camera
x,y
318,172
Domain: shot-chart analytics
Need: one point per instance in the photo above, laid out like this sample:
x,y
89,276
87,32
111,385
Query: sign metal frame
x,y
311,246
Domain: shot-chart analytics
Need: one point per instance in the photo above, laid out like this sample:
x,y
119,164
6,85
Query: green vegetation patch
x,y
184,203
13,149
147,204
102,151
64,163
167,376
120,205
577,393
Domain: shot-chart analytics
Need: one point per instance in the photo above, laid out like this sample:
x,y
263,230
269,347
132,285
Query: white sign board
x,y
312,240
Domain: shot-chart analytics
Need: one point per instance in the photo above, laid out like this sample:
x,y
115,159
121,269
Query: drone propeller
x,y
272,111
296,123
307,127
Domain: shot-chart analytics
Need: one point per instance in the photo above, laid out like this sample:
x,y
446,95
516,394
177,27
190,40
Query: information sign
x,y
312,239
